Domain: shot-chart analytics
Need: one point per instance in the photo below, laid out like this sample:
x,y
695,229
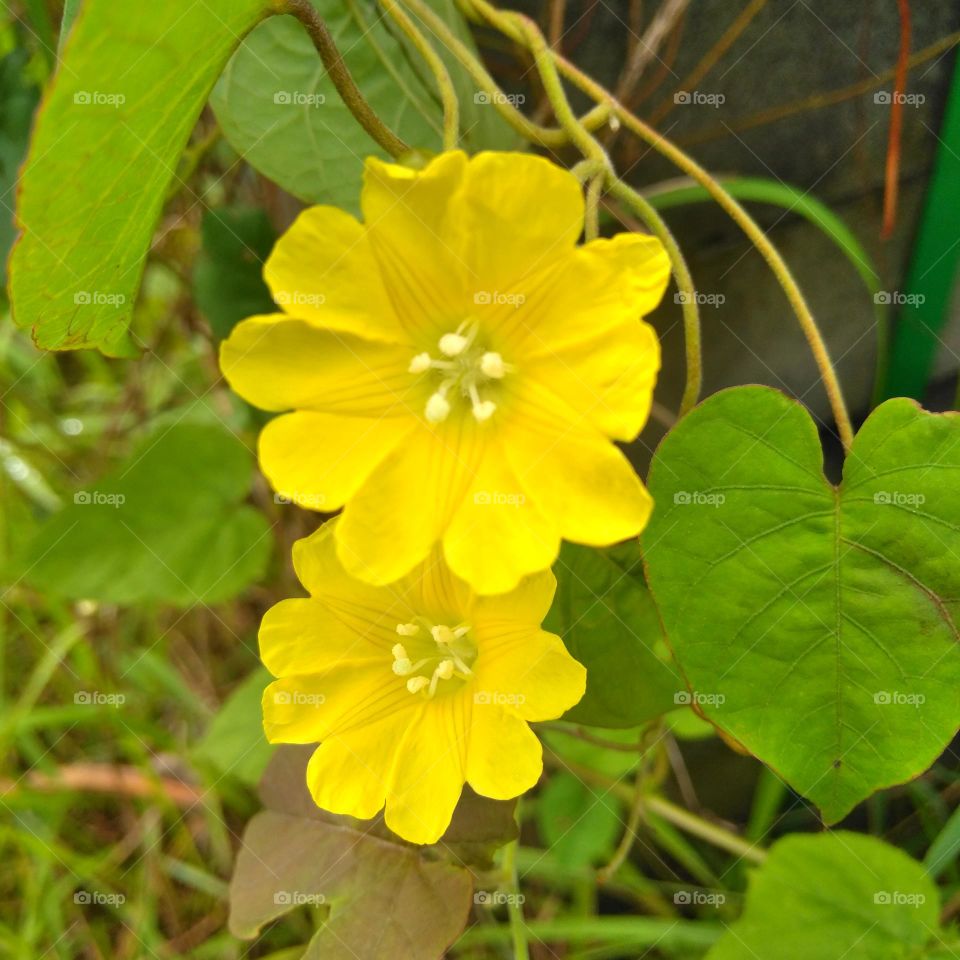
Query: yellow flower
x,y
412,689
457,367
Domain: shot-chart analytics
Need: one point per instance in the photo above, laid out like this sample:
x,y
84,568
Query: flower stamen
x,y
467,370
439,653
453,344
492,365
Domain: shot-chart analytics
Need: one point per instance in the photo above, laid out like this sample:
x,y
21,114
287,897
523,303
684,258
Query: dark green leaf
x,y
228,281
606,617
19,98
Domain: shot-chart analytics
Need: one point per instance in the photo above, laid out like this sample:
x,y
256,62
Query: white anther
x,y
492,365
445,669
407,630
402,666
442,633
484,410
399,651
461,631
453,344
420,363
438,408
416,684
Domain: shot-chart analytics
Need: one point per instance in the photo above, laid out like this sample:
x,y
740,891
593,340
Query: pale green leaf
x,y
105,148
835,895
166,525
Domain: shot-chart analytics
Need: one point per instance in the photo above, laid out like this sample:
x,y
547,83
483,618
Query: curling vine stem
x,y
341,77
533,132
508,24
448,94
594,153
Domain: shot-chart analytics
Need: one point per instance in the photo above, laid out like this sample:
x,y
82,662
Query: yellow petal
x,y
520,213
526,670
527,604
350,774
311,707
610,379
398,515
591,290
430,771
572,472
301,636
278,363
435,591
498,534
408,217
323,270
362,606
504,757
319,460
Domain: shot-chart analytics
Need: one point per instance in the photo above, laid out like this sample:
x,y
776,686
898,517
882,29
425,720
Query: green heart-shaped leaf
x,y
814,624
835,895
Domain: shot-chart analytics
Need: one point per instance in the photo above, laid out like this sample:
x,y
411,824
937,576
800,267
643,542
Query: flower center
x,y
433,653
463,369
